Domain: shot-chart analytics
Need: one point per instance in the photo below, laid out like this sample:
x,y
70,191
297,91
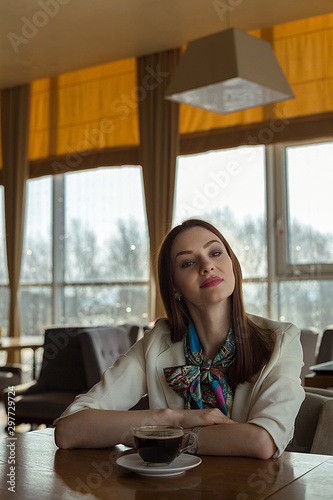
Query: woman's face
x,y
202,269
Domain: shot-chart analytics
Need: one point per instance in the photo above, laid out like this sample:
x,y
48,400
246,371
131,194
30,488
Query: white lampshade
x,y
228,71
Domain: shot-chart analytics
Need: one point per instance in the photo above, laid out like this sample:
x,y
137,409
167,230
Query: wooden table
x,y
322,376
316,380
33,342
44,472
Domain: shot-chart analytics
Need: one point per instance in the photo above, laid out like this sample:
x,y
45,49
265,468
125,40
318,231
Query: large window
x,y
227,188
288,270
36,270
106,249
86,246
305,234
309,171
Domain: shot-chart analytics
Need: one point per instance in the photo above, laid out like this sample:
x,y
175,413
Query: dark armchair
x,y
100,349
325,352
10,375
314,423
69,367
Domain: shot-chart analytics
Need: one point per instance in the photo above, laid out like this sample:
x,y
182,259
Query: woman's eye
x,y
216,253
188,263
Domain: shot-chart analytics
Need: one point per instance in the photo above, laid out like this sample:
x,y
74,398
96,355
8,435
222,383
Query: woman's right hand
x,y
192,418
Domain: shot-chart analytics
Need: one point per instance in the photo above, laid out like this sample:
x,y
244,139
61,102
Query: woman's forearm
x,y
236,440
94,428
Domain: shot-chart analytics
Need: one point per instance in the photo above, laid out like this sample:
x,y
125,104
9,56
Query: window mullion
x,y
58,248
281,216
272,296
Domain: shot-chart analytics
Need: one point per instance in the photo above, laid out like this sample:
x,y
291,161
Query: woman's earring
x,y
178,297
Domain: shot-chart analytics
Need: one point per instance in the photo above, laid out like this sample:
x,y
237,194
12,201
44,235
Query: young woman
x,y
231,376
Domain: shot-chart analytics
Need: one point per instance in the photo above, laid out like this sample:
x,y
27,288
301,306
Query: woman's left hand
x,y
193,418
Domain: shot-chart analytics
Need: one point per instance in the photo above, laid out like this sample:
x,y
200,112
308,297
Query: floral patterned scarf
x,y
203,384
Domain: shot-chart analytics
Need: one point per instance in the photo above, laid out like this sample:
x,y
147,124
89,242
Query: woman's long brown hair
x,y
254,345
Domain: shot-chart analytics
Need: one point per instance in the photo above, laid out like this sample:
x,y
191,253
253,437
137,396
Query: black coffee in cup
x,y
158,445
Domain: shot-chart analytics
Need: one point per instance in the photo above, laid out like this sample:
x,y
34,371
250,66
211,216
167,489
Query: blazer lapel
x,y
172,356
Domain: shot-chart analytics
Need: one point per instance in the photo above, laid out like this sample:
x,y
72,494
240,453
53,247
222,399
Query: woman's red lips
x,y
213,281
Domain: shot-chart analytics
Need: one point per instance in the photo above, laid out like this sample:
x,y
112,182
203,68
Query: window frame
x,y
279,269
284,269
59,284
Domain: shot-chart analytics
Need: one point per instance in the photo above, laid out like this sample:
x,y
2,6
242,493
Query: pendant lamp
x,y
228,71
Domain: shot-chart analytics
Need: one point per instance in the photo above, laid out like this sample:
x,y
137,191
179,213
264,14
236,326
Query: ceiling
x,y
40,38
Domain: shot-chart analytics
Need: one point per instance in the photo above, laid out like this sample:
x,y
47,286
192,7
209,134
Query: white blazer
x,y
271,400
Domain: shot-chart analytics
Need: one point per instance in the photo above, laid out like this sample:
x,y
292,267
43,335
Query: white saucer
x,y
179,466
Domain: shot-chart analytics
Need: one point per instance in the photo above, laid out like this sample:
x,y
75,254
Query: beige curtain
x,y
15,106
159,140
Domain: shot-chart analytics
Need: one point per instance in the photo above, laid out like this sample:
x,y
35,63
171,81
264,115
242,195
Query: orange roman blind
x,y
86,110
305,50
